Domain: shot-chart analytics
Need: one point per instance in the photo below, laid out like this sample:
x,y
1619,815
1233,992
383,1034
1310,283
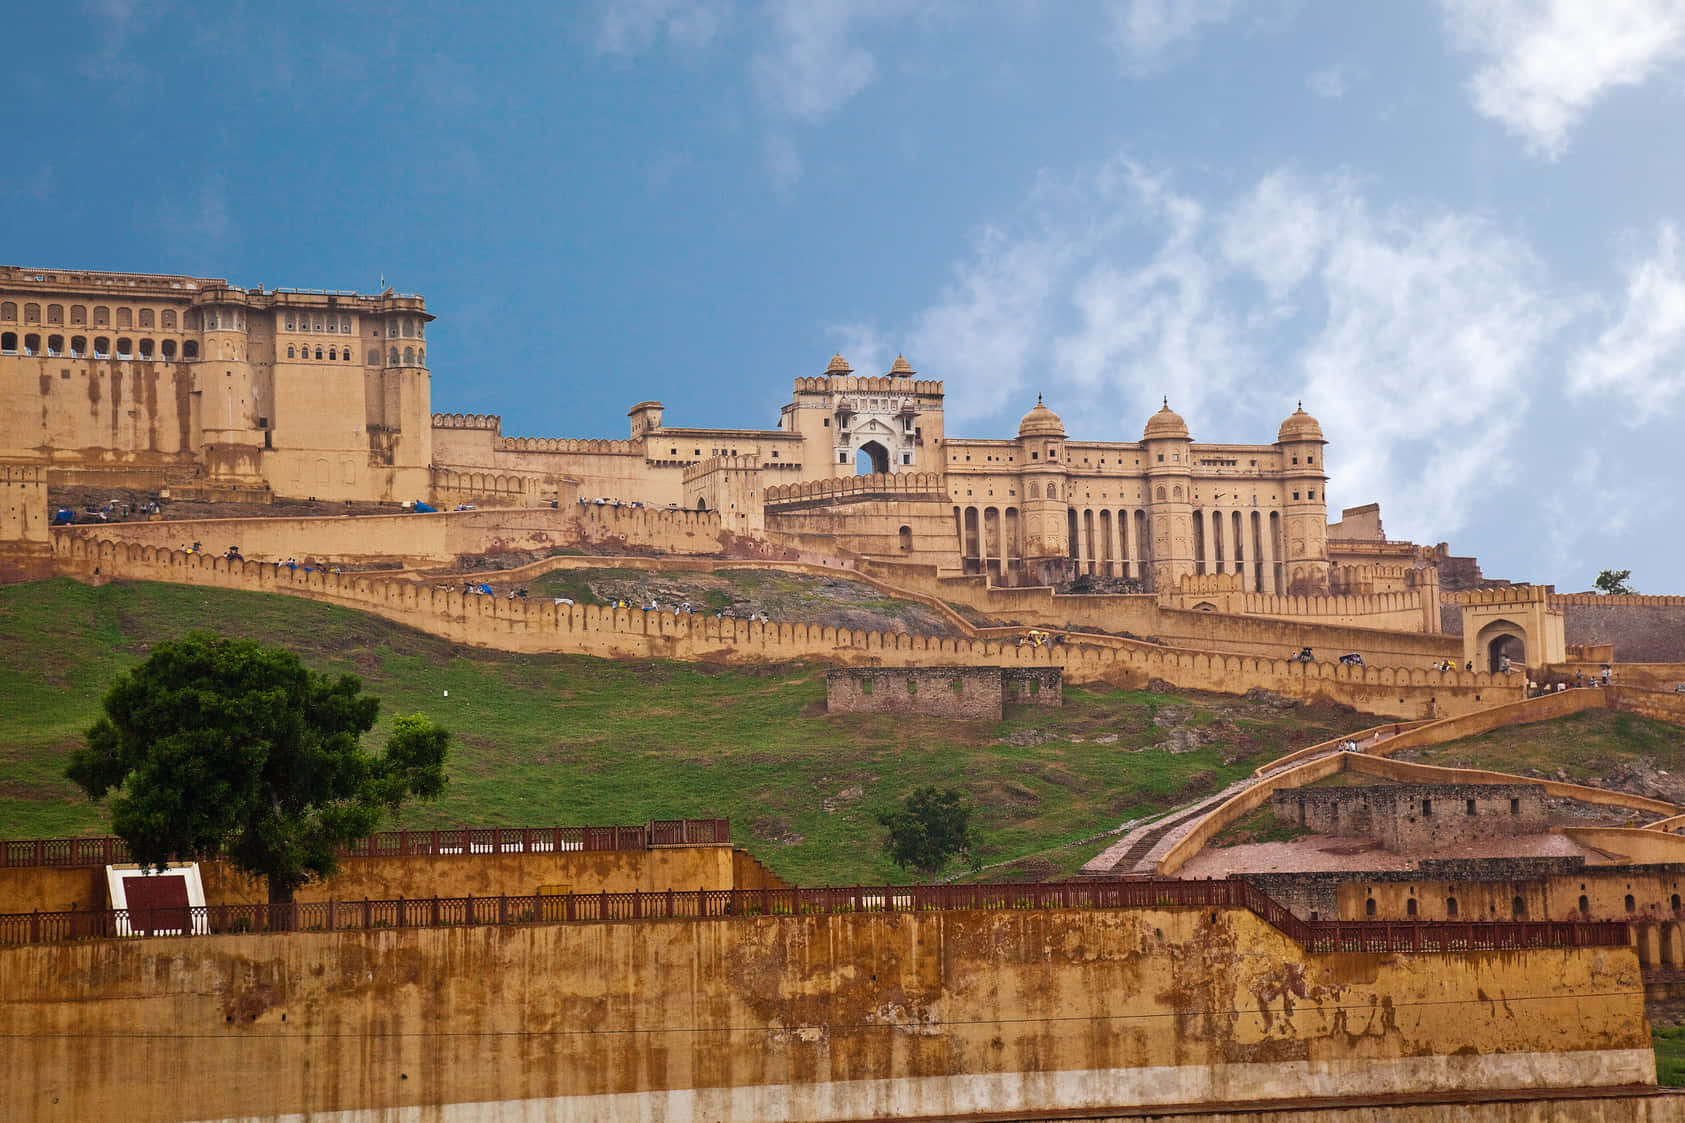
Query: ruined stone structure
x,y
1407,817
968,693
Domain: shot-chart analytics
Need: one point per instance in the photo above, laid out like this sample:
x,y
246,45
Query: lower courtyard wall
x,y
535,626
816,1017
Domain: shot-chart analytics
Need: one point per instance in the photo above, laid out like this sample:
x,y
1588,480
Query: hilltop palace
x,y
154,381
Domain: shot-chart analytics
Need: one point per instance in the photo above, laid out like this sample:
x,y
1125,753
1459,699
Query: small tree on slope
x,y
931,827
218,745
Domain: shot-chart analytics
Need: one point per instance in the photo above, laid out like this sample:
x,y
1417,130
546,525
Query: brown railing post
x,y
503,910
602,905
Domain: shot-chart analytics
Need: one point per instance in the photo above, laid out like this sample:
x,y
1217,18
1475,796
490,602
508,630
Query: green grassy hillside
x,y
561,740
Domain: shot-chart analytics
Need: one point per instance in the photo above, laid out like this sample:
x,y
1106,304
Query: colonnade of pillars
x,y
991,539
1659,944
1245,542
1110,543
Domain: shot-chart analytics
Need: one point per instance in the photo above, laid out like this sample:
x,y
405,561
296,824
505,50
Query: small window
x,y
78,314
31,344
125,318
169,349
1427,808
1369,907
292,323
9,312
168,319
31,313
1295,460
1631,905
1410,907
1517,907
102,347
1585,905
190,350
102,316
55,344
318,352
1450,906
345,325
374,357
1468,807
55,313
1295,495
1161,458
1514,806
146,346
146,317
392,357
9,342
346,355
333,353
291,352
1310,460
842,457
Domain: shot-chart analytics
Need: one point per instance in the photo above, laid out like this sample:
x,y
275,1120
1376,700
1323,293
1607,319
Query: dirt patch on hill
x,y
793,598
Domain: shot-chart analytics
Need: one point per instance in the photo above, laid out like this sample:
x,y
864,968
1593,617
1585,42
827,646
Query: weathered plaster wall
x,y
812,1017
54,889
1410,817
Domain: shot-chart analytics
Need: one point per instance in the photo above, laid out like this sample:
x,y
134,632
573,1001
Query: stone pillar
x,y
1649,944
1265,537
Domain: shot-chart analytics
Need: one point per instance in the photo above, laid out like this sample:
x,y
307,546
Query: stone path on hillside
x,y
1139,851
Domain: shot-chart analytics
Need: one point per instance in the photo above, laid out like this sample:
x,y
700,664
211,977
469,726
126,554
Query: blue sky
x,y
1451,228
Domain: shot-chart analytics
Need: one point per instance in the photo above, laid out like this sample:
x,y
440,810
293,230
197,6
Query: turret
x,y
1304,504
1169,470
1046,502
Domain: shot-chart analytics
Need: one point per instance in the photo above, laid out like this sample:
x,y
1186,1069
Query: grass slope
x,y
562,739
1586,747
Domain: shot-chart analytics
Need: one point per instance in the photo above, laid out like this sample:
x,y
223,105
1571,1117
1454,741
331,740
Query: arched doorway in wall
x,y
1500,640
701,503
871,457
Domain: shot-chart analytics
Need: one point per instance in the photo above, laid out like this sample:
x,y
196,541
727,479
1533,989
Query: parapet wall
x,y
1409,817
838,1016
491,421
528,625
878,484
963,693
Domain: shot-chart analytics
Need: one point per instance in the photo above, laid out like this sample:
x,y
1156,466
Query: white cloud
x,y
1146,33
1641,356
811,62
1545,63
1330,82
630,27
1414,334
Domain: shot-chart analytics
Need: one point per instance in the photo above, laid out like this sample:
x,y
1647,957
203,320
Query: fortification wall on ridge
x,y
528,625
835,1016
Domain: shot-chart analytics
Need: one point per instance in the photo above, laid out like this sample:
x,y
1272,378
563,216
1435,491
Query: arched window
x,y
1631,905
409,356
392,330
345,325
78,345
318,352
421,356
1410,907
190,350
168,319
346,355
1517,907
1369,907
1053,491
31,344
374,356
55,345
392,357
102,316
169,350
1159,494
146,348
210,321
55,313
1450,906
145,317
125,347
9,312
190,320
125,318
409,327
290,352
1585,905
333,354
333,324
9,342
292,323
78,314
102,347
421,329
31,313
906,535
318,323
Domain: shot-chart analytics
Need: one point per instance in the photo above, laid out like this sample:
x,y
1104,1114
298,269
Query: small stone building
x,y
1406,817
971,693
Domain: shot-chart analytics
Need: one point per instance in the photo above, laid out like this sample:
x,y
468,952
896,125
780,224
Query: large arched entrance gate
x,y
1516,623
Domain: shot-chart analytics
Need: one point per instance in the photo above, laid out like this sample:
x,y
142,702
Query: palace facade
x,y
196,385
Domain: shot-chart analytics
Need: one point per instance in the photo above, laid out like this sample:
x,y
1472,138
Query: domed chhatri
x,y
1166,423
1041,422
839,365
1300,426
902,366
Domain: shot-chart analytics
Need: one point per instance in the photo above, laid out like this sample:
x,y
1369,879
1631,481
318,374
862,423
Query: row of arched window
x,y
411,327
126,317
409,357
305,321
102,349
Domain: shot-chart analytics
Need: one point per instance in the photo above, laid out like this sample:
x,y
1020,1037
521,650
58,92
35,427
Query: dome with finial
x,y
1300,426
1165,424
839,365
1041,422
902,366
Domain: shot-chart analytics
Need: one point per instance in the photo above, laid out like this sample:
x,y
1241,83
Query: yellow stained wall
x,y
795,1017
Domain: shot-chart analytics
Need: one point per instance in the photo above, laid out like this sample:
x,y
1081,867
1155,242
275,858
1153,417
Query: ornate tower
x,y
1304,504
1169,471
223,381
1046,499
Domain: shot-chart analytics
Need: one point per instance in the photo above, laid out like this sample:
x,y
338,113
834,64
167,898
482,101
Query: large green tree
x,y
226,746
930,827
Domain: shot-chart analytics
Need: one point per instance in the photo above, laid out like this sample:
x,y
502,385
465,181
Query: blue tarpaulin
x,y
420,506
